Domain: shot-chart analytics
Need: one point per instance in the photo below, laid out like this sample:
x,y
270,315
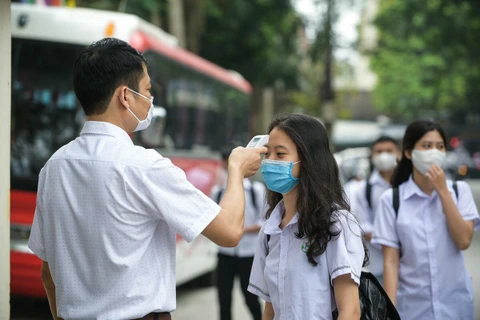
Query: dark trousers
x,y
227,268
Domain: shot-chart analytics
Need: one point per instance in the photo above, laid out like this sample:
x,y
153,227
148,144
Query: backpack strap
x,y
396,201
220,195
253,196
455,187
368,193
396,206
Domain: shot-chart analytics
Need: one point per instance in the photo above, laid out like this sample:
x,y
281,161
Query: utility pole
x,y
122,6
327,95
176,21
5,106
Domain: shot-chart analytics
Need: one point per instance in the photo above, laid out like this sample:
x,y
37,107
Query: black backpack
x,y
368,192
374,301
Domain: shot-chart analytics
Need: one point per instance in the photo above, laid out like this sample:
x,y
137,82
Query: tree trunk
x,y
155,17
194,23
327,95
176,20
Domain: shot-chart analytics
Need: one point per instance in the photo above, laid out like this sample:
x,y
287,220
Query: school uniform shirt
x,y
366,216
106,217
254,216
351,189
282,275
433,281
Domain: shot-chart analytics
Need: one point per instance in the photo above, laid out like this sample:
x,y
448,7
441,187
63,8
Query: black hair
x,y
225,152
383,139
320,193
101,68
415,131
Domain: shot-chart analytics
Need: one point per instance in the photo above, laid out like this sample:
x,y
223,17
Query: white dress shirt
x,y
106,217
366,216
433,281
351,189
282,275
253,217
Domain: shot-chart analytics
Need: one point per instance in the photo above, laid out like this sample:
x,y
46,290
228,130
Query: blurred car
x,y
459,164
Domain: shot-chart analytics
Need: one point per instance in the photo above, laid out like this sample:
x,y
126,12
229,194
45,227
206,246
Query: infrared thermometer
x,y
258,141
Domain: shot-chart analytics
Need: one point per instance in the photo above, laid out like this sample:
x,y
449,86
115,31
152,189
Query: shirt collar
x,y
411,188
376,178
272,226
107,129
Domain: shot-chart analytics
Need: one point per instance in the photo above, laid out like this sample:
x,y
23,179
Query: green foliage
x,y
307,99
256,38
142,8
428,56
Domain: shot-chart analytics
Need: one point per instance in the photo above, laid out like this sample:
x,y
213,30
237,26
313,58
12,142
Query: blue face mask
x,y
278,175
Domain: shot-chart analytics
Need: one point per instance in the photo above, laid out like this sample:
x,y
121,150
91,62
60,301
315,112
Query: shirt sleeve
x,y
345,252
169,196
466,204
36,241
257,284
385,225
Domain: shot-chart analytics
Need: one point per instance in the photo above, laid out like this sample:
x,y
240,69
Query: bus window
x,y
45,111
203,114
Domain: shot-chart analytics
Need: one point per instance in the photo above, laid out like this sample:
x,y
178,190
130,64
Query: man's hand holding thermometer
x,y
229,223
248,159
258,141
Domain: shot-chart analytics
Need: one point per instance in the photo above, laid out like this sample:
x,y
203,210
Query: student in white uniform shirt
x,y
108,211
351,187
367,197
424,231
238,260
310,253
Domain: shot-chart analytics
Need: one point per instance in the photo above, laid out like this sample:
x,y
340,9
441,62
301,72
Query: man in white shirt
x,y
367,196
238,260
108,211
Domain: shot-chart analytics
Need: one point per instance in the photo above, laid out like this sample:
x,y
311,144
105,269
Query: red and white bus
x,y
200,108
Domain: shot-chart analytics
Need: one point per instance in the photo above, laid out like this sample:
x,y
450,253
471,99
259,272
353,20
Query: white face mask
x,y
384,161
143,124
424,159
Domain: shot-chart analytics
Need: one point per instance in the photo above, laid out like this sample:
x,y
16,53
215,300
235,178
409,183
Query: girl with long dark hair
x,y
423,223
310,253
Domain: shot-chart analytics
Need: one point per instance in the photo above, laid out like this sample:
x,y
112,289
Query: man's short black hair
x,y
226,151
101,68
384,139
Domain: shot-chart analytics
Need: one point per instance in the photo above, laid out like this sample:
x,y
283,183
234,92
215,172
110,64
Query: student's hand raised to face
x,y
437,177
246,159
